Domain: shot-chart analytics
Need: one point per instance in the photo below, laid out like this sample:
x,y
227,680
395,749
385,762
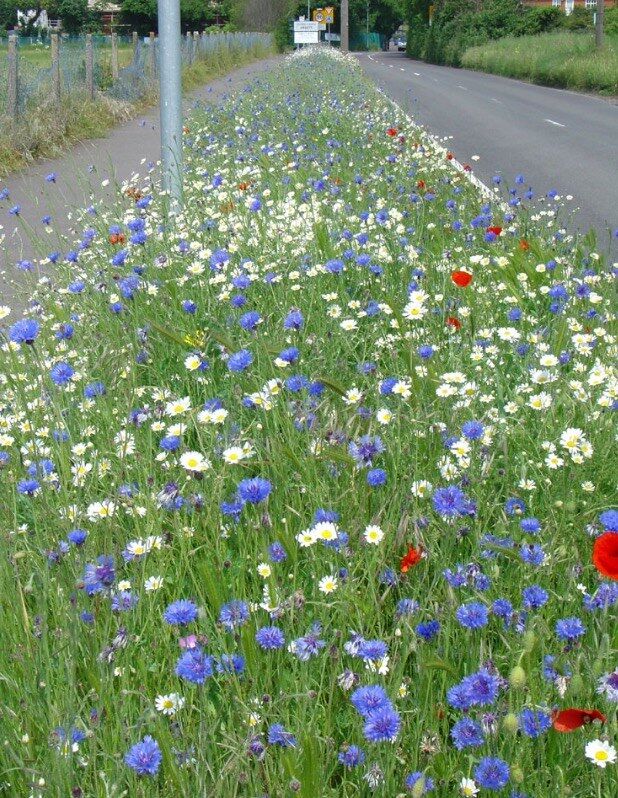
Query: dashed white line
x,y
401,69
493,99
558,124
418,74
461,87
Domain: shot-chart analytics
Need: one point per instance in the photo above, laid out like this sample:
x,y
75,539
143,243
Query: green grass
x,y
39,56
348,260
45,131
567,60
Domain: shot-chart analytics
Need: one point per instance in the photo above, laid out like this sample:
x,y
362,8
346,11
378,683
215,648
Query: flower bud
x,y
517,678
529,641
517,774
510,723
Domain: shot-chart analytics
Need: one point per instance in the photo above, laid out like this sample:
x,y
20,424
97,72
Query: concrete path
x,y
557,139
86,173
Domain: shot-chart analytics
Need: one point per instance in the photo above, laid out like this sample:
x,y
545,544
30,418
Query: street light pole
x,y
345,35
171,98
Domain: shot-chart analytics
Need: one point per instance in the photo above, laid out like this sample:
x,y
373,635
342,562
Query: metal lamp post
x,y
171,98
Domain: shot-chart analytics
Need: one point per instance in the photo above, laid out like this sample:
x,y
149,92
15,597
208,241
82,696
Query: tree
x,y
8,13
73,13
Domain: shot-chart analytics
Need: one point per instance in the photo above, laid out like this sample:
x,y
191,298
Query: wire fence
x,y
34,72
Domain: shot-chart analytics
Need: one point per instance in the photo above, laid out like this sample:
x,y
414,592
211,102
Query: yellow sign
x,y
324,15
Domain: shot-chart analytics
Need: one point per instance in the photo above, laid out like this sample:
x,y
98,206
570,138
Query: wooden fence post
x,y
189,41
115,69
196,45
12,99
134,37
153,57
89,66
55,66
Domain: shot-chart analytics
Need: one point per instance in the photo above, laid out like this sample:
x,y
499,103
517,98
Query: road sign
x,y
326,16
306,37
304,26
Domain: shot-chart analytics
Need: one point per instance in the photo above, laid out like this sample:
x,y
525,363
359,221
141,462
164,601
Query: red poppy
x,y
453,321
449,156
411,558
392,131
605,554
117,238
567,720
523,244
420,184
495,230
462,279
467,167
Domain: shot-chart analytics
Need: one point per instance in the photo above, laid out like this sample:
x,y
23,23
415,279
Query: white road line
x,y
390,66
401,69
461,87
558,124
493,99
418,74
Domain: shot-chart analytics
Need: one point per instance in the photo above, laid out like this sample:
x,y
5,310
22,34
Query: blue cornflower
x,y
170,443
533,723
61,373
189,306
145,757
124,601
449,502
276,552
473,615
467,733
482,687
194,666
100,575
180,612
428,630
28,487
289,355
77,536
294,320
425,351
372,650
308,646
530,525
352,756
492,773
376,477
94,389
277,735
270,638
230,663
406,606
568,629
239,361
609,520
382,725
254,490
472,430
233,615
459,697
534,597
334,266
24,331
370,699
365,449
533,555
250,320
414,778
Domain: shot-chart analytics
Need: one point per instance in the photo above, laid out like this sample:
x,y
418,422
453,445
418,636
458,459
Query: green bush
x,y
611,21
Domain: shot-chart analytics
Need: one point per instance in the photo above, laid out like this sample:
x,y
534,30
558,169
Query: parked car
x,y
401,45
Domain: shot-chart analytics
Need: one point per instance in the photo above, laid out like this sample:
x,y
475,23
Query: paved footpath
x,y
557,139
129,148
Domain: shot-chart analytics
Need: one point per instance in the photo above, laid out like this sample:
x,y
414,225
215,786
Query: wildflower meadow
x,y
309,487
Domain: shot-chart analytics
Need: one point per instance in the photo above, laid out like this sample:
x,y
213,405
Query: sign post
x,y
171,99
345,34
306,32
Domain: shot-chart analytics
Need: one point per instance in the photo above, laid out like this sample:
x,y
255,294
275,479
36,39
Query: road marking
x,y
461,87
401,69
418,74
390,66
493,99
558,124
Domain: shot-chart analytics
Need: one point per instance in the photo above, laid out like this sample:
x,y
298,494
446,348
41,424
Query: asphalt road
x,y
557,139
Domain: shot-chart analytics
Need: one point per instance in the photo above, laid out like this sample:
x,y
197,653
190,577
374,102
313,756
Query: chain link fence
x,y
123,67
